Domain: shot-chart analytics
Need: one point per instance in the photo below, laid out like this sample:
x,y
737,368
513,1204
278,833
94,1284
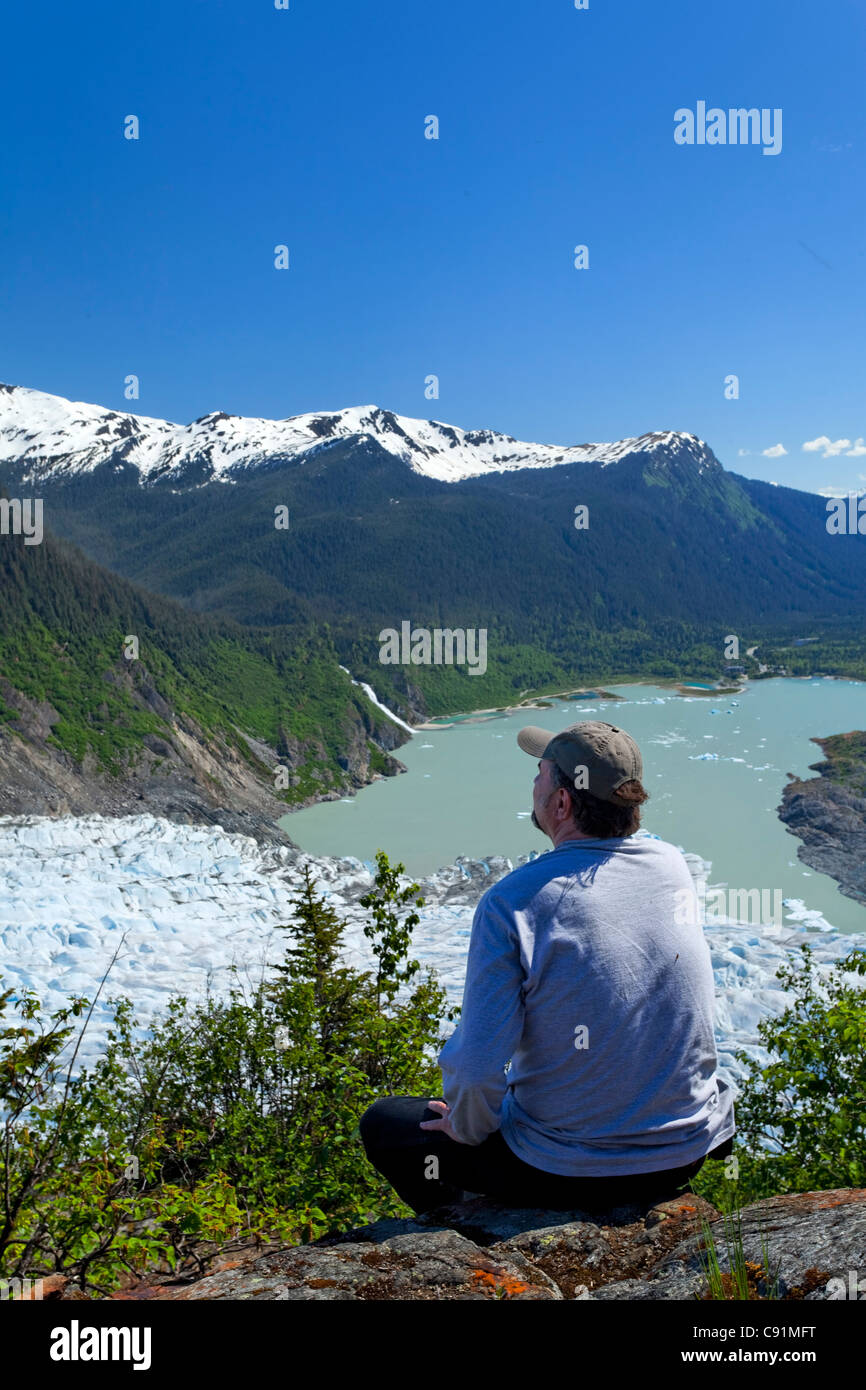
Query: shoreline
x,y
668,683
546,701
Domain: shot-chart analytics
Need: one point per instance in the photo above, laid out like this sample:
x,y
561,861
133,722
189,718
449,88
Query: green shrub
x,y
234,1118
810,1101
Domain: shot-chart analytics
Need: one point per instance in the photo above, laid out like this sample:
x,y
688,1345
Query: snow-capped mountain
x,y
54,437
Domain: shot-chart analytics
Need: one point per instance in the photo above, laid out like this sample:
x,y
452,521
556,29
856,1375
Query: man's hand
x,y
444,1123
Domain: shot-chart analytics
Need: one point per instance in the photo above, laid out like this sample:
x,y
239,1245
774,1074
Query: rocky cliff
x,y
828,812
479,1250
184,772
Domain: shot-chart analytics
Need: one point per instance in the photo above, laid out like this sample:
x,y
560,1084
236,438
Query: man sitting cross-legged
x,y
582,1073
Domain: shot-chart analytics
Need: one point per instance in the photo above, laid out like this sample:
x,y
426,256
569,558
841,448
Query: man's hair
x,y
603,820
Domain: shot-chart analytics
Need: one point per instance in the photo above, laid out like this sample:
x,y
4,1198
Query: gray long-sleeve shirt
x,y
587,974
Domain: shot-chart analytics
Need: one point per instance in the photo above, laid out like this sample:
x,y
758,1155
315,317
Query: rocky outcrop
x,y
828,813
184,773
480,1250
406,698
181,774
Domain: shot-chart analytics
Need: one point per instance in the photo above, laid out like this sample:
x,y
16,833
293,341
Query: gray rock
x,y
810,1237
829,816
674,1287
419,1265
481,1250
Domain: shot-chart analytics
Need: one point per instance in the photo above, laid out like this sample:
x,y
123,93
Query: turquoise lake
x,y
714,768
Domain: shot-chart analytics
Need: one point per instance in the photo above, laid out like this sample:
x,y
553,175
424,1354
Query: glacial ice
x,y
194,902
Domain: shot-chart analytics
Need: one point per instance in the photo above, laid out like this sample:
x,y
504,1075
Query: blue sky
x,y
454,257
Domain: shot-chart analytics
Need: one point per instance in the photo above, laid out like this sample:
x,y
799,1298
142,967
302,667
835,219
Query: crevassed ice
x,y
194,901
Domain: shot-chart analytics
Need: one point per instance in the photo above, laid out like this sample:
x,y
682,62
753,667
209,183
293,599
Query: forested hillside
x,y
100,677
675,555
369,543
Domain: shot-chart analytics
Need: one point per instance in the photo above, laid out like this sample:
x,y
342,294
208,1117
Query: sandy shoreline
x,y
481,716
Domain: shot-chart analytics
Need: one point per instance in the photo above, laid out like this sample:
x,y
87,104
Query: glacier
x,y
194,908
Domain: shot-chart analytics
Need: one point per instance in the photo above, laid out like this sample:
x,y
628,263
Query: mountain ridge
x,y
35,426
678,553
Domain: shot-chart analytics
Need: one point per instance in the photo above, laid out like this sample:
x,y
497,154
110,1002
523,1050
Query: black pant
x,y
427,1169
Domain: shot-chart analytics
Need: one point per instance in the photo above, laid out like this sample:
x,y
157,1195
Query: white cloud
x,y
827,447
835,491
858,450
775,452
743,453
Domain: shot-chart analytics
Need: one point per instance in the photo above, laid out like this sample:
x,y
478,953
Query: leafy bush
x,y
810,1101
234,1119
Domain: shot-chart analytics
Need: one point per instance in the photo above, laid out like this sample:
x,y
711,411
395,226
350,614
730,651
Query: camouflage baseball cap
x,y
608,754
